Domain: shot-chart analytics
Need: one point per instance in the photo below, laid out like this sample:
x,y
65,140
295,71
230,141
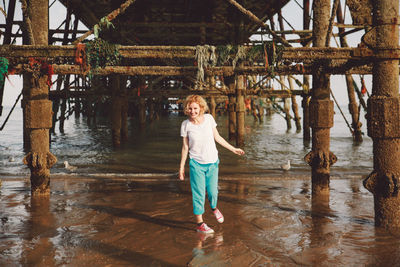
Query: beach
x,y
149,222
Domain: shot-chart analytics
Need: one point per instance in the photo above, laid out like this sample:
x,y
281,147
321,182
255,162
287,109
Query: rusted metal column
x,y
66,77
353,107
305,104
26,87
321,108
62,114
124,108
89,112
38,109
383,119
306,14
232,116
286,104
64,100
286,108
213,104
306,81
254,108
295,107
77,108
142,110
260,109
7,40
151,104
240,111
116,110
56,105
94,112
230,82
9,22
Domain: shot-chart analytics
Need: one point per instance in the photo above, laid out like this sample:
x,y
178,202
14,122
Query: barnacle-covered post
x,y
286,104
64,100
321,108
230,83
295,107
240,110
124,107
38,108
116,109
119,112
353,107
142,111
213,104
306,84
383,117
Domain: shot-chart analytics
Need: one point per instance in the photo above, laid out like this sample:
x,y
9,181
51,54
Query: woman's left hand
x,y
238,151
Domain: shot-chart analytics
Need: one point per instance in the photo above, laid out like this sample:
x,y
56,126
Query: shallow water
x,y
119,222
155,149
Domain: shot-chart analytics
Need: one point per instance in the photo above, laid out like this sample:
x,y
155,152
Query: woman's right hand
x,y
181,175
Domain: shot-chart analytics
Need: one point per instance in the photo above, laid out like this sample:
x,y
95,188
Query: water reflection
x,y
322,236
40,228
207,252
385,255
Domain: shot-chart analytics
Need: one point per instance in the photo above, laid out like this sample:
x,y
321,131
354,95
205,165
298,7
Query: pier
x,y
145,55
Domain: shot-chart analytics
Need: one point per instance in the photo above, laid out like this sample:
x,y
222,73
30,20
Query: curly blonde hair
x,y
195,99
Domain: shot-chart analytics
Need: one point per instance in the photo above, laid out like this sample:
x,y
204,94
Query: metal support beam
x,y
38,110
383,118
298,54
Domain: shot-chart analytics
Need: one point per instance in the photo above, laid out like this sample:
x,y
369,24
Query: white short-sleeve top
x,y
202,146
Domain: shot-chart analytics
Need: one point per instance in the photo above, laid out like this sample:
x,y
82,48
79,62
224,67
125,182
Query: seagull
x,y
69,167
11,159
286,166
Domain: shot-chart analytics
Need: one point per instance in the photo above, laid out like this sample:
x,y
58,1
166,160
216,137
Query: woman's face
x,y
194,110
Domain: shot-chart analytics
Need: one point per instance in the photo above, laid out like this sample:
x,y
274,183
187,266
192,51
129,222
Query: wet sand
x,y
149,222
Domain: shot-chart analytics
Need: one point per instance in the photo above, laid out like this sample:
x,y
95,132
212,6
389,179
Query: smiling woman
x,y
199,134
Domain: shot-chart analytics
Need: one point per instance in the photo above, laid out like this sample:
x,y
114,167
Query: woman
x,y
199,134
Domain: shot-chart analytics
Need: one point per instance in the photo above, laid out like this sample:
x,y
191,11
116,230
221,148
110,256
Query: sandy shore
x,y
149,222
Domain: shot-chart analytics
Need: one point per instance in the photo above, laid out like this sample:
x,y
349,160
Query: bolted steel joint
x,y
321,113
383,117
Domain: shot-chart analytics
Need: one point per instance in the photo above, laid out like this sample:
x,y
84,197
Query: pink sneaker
x,y
203,228
218,215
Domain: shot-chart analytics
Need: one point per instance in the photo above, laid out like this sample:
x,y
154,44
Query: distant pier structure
x,y
140,54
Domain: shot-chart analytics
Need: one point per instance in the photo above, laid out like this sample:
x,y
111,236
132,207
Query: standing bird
x,y
286,166
69,167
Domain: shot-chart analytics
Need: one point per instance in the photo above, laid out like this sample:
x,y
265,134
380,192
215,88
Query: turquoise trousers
x,y
203,177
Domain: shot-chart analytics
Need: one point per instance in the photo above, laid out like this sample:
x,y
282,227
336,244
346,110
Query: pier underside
x,y
144,53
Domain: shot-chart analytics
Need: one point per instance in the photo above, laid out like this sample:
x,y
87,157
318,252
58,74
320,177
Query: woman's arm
x,y
225,144
185,150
